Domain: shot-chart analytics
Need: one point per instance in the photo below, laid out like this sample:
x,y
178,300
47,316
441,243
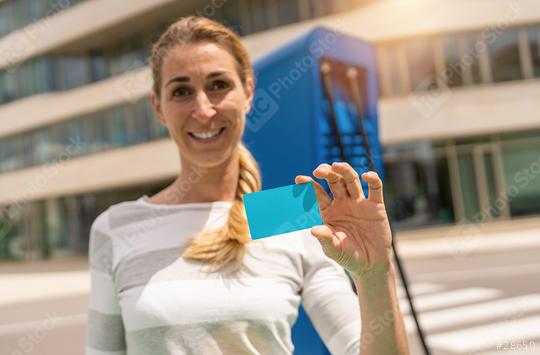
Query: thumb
x,y
330,244
325,236
322,232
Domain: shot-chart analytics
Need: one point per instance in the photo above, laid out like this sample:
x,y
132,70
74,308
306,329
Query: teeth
x,y
206,135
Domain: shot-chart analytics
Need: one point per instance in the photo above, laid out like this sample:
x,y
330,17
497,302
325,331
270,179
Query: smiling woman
x,y
150,293
203,87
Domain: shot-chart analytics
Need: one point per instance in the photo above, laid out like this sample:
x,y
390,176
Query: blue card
x,y
282,210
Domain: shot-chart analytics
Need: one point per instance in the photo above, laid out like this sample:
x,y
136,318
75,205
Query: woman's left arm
x,y
356,234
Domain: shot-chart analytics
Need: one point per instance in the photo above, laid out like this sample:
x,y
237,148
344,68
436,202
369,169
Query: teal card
x,y
282,210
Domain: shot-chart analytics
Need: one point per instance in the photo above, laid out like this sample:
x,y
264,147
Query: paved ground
x,y
479,305
475,292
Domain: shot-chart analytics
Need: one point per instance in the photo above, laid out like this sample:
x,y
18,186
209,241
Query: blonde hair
x,y
217,247
195,29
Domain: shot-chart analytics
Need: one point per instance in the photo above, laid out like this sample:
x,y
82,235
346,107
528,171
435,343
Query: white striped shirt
x,y
146,299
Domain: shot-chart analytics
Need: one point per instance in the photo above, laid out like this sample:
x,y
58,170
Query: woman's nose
x,y
204,109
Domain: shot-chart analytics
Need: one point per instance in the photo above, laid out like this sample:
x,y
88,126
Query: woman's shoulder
x,y
120,214
142,210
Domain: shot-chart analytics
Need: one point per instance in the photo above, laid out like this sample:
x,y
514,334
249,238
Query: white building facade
x,y
459,108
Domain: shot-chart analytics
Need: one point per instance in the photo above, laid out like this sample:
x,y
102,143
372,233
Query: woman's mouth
x,y
208,136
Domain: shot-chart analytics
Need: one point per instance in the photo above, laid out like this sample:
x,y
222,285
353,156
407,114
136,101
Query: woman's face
x,y
202,102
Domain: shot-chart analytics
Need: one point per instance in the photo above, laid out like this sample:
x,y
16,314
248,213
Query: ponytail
x,y
220,247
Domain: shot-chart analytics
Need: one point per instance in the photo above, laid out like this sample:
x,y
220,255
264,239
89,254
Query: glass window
x,y
421,64
521,168
3,19
119,132
64,137
25,149
57,73
101,130
21,74
128,118
504,56
80,71
3,154
533,34
116,127
142,132
90,135
288,12
14,160
7,89
40,146
77,129
51,144
98,65
16,14
121,59
157,130
392,68
417,186
42,75
461,59
471,57
467,180
232,16
259,16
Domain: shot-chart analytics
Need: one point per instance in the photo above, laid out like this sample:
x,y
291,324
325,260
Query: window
x,y
157,130
16,14
470,57
141,122
504,57
119,131
421,64
454,74
40,146
521,160
26,147
418,189
288,11
42,79
99,131
389,69
533,35
98,65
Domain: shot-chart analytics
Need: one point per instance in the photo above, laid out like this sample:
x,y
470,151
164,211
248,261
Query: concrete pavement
x,y
464,278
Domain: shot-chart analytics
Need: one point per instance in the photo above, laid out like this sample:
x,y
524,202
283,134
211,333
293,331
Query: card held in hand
x,y
282,210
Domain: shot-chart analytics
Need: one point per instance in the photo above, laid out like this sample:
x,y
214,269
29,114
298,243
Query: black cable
x,y
327,88
356,95
352,74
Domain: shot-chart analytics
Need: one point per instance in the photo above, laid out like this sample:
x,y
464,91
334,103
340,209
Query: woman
x,y
151,290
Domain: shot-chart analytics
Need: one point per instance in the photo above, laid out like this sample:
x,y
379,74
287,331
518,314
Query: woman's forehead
x,y
197,59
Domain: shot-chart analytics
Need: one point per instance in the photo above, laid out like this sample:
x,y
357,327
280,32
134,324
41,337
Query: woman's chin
x,y
209,159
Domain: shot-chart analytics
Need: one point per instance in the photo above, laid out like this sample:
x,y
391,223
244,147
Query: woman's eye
x,y
181,92
220,85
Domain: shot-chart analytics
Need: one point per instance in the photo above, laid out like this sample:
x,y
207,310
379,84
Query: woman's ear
x,y
250,88
156,106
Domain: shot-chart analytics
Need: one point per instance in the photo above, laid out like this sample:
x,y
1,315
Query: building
x,y
460,119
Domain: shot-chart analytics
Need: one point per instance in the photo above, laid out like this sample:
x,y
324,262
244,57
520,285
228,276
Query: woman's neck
x,y
202,184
